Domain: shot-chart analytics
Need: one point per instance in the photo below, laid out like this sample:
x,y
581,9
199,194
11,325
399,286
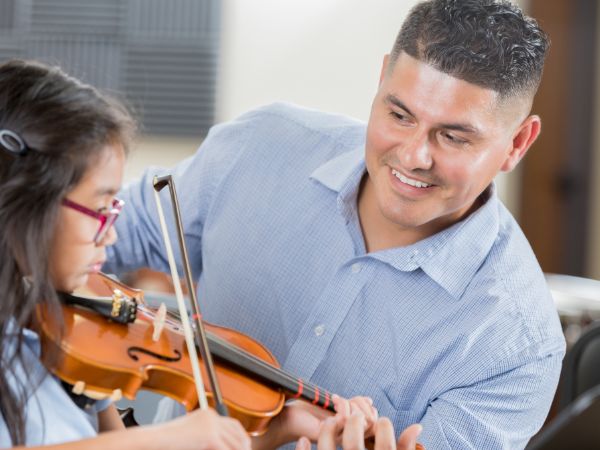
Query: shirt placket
x,y
323,323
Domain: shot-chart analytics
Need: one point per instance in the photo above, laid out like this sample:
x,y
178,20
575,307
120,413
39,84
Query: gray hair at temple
x,y
489,43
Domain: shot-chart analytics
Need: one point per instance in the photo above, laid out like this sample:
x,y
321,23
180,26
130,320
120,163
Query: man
x,y
377,260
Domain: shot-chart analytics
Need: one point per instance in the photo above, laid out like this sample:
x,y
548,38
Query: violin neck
x,y
272,376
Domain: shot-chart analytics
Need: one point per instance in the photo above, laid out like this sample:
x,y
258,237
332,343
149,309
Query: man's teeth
x,y
408,181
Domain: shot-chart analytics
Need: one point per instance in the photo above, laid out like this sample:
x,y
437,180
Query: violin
x,y
115,344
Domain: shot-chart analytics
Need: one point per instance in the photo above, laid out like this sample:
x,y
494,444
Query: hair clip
x,y
12,142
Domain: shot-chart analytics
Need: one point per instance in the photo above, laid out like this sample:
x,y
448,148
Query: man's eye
x,y
400,116
453,139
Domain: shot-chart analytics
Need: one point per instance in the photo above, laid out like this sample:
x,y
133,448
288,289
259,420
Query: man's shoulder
x,y
511,251
288,135
515,279
302,119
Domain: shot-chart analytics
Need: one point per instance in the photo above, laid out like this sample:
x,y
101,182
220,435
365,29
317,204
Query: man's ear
x,y
526,135
386,59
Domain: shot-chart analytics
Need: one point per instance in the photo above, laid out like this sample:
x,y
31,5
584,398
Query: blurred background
x,y
186,64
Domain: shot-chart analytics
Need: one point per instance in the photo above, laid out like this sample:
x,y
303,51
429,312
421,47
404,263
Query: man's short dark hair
x,y
489,43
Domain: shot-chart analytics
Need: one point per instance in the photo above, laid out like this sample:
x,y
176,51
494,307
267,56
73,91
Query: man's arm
x,y
140,242
502,411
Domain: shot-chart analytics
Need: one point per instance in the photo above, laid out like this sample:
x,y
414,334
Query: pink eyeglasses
x,y
106,219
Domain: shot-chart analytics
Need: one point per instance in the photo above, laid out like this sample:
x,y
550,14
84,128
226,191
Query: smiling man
x,y
434,144
376,259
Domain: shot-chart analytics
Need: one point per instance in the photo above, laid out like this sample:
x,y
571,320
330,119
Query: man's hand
x,y
362,405
351,431
300,419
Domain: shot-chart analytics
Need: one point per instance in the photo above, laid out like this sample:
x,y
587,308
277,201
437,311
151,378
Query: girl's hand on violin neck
x,y
297,419
203,430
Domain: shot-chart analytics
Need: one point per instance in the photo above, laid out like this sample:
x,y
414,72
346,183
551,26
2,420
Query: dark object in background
x,y
581,368
577,426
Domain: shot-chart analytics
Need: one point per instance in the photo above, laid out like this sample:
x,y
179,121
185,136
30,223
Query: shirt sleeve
x,y
501,411
140,241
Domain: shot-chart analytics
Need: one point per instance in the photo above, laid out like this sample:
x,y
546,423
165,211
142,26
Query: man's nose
x,y
415,152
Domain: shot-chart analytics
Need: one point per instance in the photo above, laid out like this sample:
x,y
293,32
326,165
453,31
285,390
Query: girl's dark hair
x,y
66,126
490,43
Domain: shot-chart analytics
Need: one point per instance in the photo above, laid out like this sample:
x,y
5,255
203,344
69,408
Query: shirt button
x,y
355,267
319,330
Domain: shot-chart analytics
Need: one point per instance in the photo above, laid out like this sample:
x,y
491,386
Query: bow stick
x,y
159,183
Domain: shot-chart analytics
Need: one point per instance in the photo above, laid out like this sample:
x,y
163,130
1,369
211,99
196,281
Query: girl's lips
x,y
96,267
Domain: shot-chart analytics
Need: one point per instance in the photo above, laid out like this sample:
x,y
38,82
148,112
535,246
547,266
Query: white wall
x,y
324,54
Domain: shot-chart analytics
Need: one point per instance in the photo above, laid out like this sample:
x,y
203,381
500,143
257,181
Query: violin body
x,y
103,358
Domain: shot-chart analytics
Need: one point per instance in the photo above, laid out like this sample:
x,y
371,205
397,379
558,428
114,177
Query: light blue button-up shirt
x,y
51,417
457,331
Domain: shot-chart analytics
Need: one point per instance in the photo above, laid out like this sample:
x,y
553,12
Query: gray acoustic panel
x,y
9,52
179,80
162,54
93,61
176,19
88,17
7,14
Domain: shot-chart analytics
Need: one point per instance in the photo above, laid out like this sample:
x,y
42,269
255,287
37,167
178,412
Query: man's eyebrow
x,y
465,128
459,127
396,101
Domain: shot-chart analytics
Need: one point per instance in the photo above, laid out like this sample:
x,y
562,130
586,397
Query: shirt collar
x,y
462,246
337,172
342,174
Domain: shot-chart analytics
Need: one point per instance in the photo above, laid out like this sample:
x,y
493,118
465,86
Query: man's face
x,y
434,143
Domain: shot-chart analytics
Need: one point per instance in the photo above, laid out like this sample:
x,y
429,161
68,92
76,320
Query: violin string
x,y
278,376
243,355
286,380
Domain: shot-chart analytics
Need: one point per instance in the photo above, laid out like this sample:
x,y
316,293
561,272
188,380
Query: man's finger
x,y
365,406
328,434
303,444
384,435
353,437
342,406
408,438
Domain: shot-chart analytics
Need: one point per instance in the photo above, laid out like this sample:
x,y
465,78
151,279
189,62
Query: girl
x,y
62,150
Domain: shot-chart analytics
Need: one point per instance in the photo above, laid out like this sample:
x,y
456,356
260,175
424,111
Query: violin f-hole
x,y
131,351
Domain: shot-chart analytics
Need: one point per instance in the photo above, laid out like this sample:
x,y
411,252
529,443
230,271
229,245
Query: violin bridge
x,y
159,322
